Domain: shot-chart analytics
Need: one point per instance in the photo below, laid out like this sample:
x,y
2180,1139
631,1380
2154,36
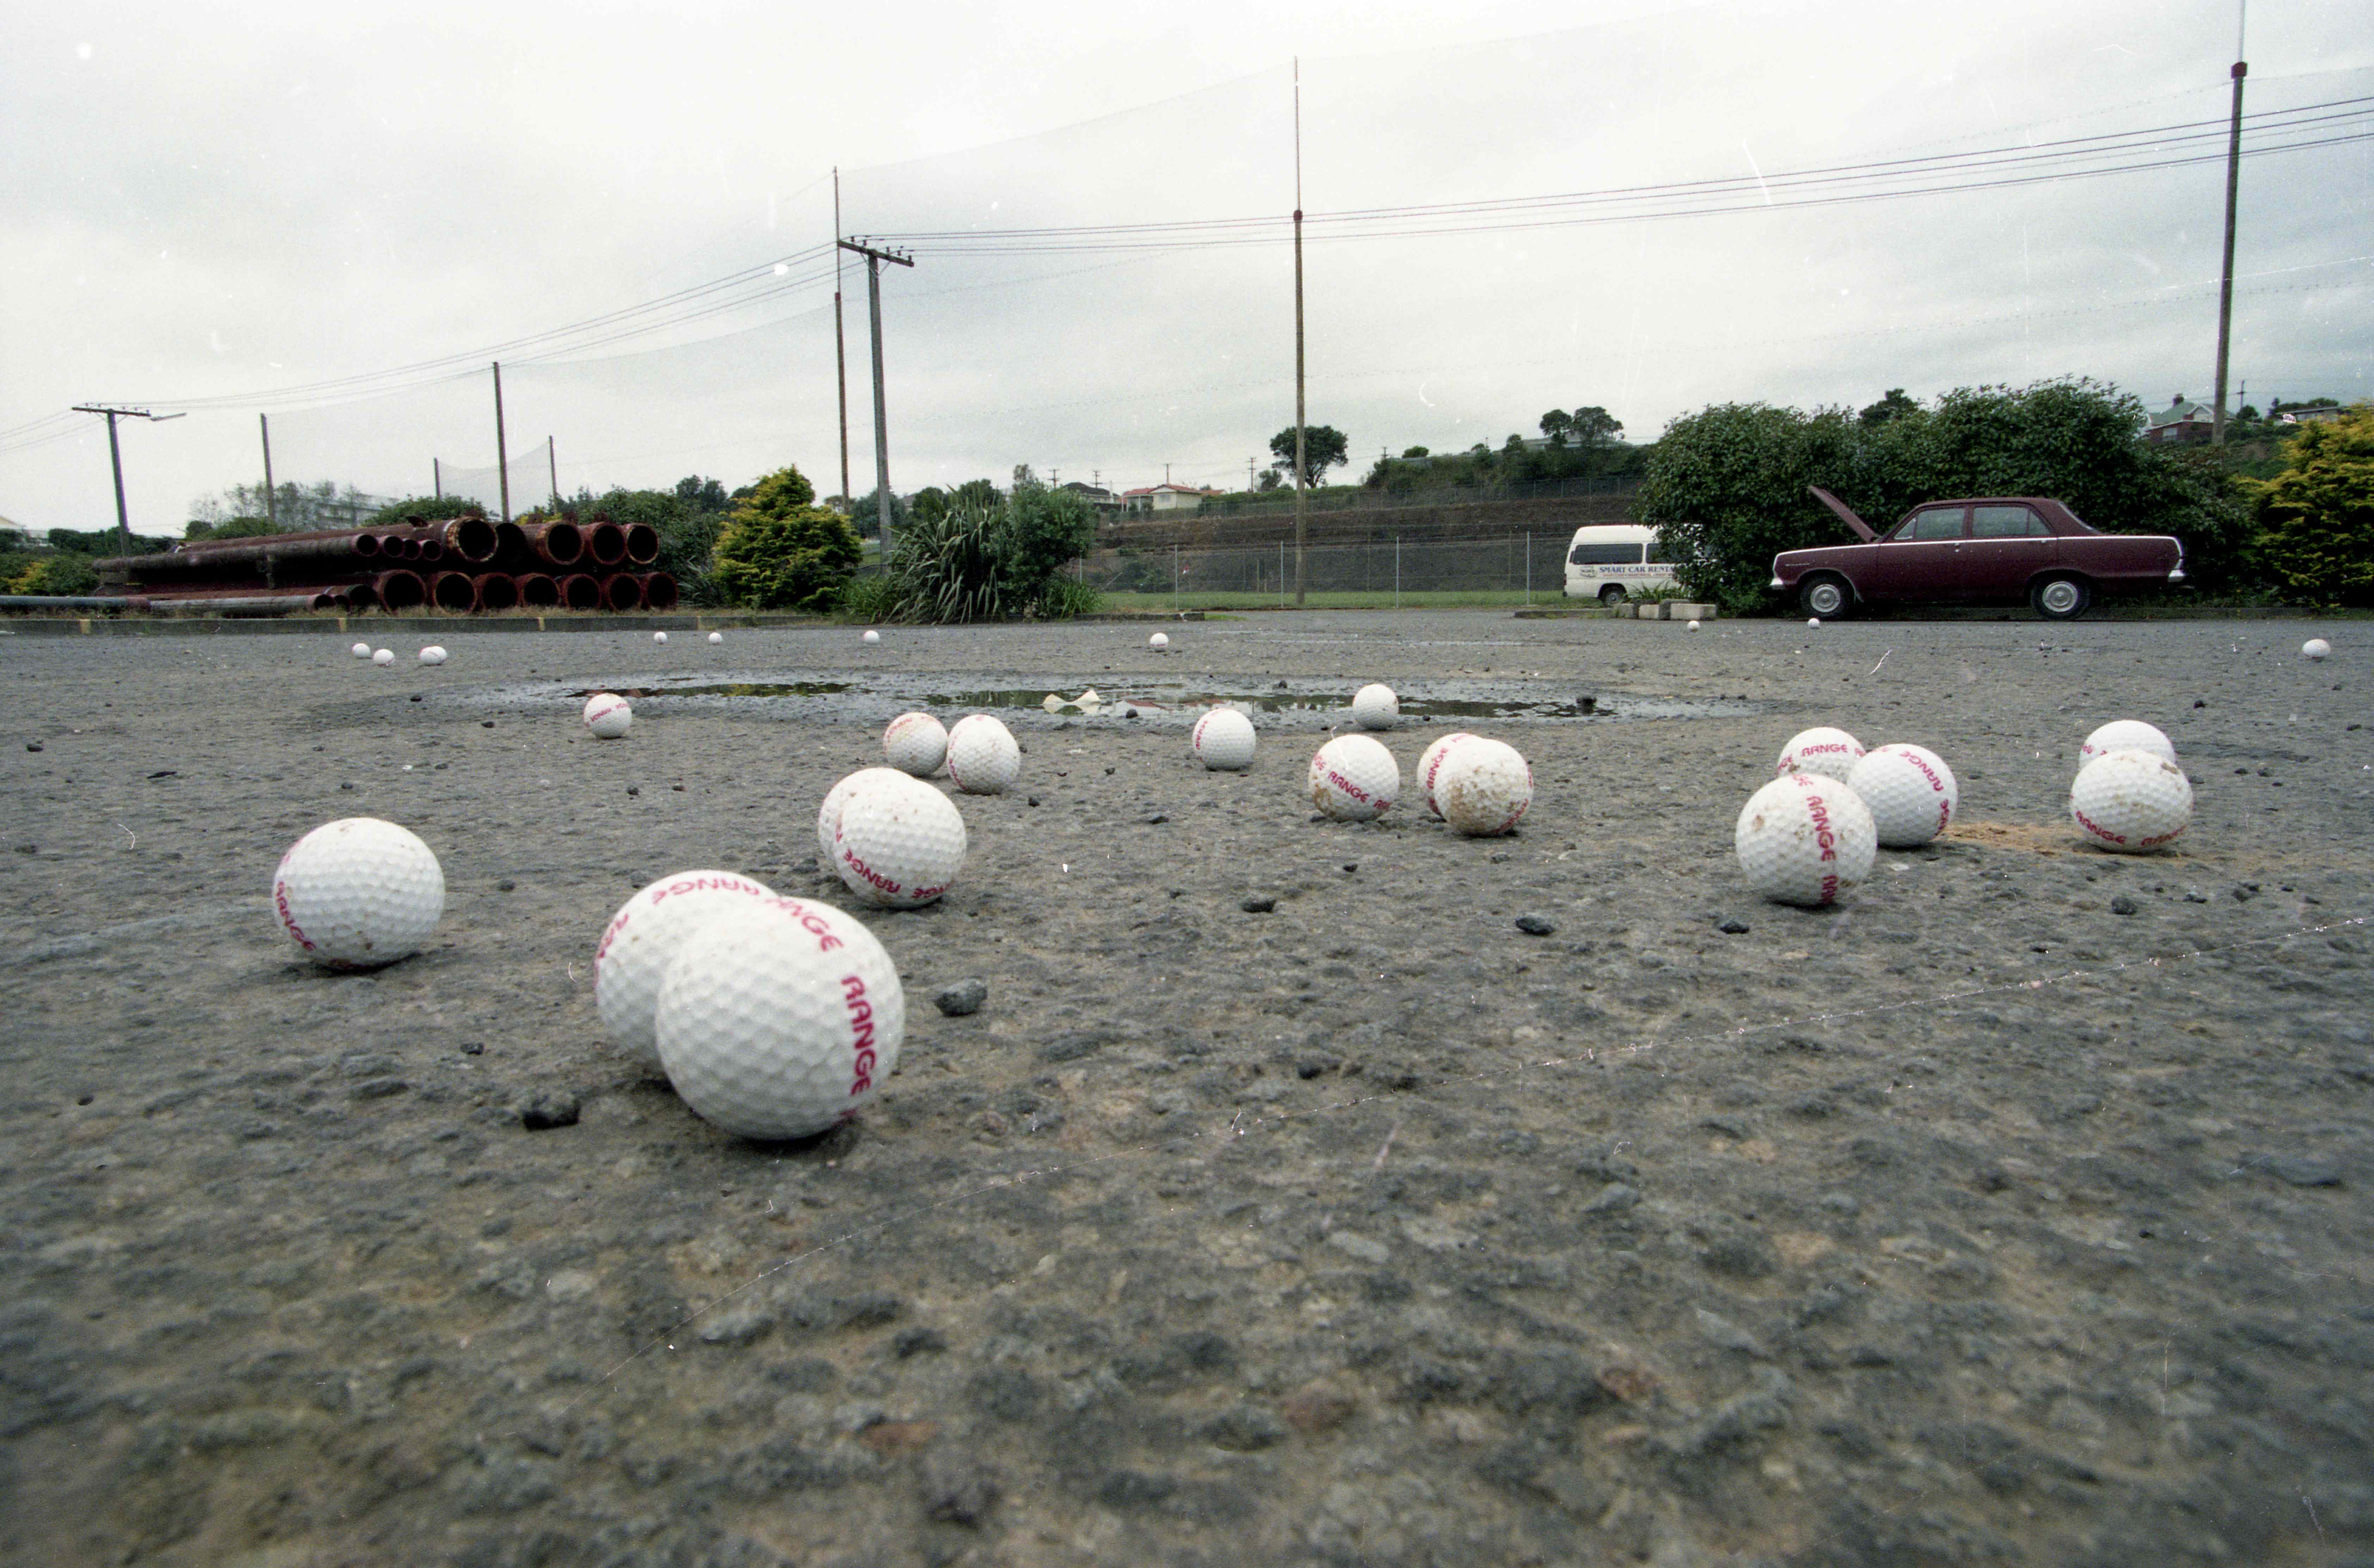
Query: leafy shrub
x,y
948,568
428,509
58,575
1043,530
1067,597
870,599
778,551
2317,517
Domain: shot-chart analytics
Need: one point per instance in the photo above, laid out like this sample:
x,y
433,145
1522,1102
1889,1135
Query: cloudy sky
x,y
337,218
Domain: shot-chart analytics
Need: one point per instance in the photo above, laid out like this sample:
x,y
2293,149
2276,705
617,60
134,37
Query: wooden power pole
x,y
874,260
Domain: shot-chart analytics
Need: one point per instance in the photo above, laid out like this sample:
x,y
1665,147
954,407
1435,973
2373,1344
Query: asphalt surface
x,y
2015,1212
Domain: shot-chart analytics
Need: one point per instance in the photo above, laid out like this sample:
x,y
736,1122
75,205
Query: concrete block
x,y
1652,612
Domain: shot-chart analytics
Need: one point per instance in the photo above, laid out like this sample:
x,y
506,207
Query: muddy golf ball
x,y
1223,739
384,657
1804,839
1354,779
632,957
779,1021
1484,788
1909,791
983,757
872,638
898,842
432,655
1159,640
360,650
1830,753
829,815
607,715
2130,801
915,744
1374,707
359,892
1429,768
716,637
2316,649
2125,735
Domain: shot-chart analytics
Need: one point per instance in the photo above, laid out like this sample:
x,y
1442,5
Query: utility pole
x,y
271,502
552,466
2233,184
437,477
502,458
116,460
874,260
841,348
1301,493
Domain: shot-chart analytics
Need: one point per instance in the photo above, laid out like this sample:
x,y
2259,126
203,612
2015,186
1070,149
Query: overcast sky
x,y
209,204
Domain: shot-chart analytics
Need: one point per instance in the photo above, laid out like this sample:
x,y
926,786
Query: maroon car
x,y
1986,548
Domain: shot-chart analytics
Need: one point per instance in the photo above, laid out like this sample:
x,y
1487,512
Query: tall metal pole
x,y
271,503
552,467
122,518
437,477
502,456
874,260
1301,498
2226,282
841,347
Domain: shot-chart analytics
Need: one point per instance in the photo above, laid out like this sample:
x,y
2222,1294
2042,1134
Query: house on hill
x,y
1164,497
2180,422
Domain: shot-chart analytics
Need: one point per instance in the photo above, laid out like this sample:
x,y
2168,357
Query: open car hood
x,y
1846,515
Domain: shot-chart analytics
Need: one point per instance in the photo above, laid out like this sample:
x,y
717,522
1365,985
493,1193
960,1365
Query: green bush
x,y
428,509
779,551
869,599
949,567
54,575
2317,517
1067,597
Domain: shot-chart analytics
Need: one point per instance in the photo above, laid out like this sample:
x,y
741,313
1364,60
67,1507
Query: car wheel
x,y
1828,597
2061,598
1611,596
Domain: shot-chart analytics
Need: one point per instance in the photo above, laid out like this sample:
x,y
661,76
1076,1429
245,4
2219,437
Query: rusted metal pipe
x,y
359,595
400,590
496,590
659,591
537,591
454,591
621,591
579,592
642,543
606,542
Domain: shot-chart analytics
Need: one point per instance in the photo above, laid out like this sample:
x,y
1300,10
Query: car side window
x,y
1932,523
2005,522
1655,552
1606,555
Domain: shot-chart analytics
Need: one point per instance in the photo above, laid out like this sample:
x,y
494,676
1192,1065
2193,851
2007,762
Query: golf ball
x,y
829,815
779,1021
1693,625
2128,802
659,637
983,757
898,842
915,744
1813,620
607,715
1374,707
2316,649
1484,788
1354,779
359,892
1909,791
384,657
1429,768
360,650
872,638
1223,739
716,637
1830,753
1159,640
1804,839
432,655
2124,734
632,957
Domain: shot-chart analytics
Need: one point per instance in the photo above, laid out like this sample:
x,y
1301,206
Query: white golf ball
x,y
2128,802
915,744
1159,640
1223,739
1374,707
716,637
2316,649
632,957
1830,753
1484,788
983,757
829,815
1693,625
1354,779
1429,768
898,842
872,638
1813,620
360,650
779,1021
1804,839
607,715
432,655
2122,735
384,657
1910,792
359,892
659,637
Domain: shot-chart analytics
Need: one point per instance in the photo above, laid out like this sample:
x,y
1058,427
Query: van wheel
x,y
2061,598
1611,596
1828,597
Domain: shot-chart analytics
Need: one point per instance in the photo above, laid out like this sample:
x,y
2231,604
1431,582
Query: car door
x,y
1920,560
2009,544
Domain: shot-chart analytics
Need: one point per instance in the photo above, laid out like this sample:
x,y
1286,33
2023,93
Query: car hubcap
x,y
2061,597
1825,600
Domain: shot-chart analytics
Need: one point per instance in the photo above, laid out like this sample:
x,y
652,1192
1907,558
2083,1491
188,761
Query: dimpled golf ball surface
x,y
2129,802
829,815
1223,739
915,744
899,843
1354,779
2316,649
2125,735
432,655
384,657
1804,839
1484,788
983,757
607,715
359,892
1910,793
1830,753
643,935
360,650
1374,707
779,1021
1429,768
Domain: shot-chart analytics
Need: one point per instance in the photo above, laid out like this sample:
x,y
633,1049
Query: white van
x,y
1608,560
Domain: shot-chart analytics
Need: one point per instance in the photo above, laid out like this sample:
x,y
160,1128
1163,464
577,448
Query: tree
x,y
2316,518
1323,447
779,551
1270,478
1592,426
928,504
865,515
701,495
1044,529
1419,451
1557,422
1894,405
980,494
395,514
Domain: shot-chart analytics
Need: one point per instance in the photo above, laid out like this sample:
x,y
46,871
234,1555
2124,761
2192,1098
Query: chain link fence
x,y
1515,566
